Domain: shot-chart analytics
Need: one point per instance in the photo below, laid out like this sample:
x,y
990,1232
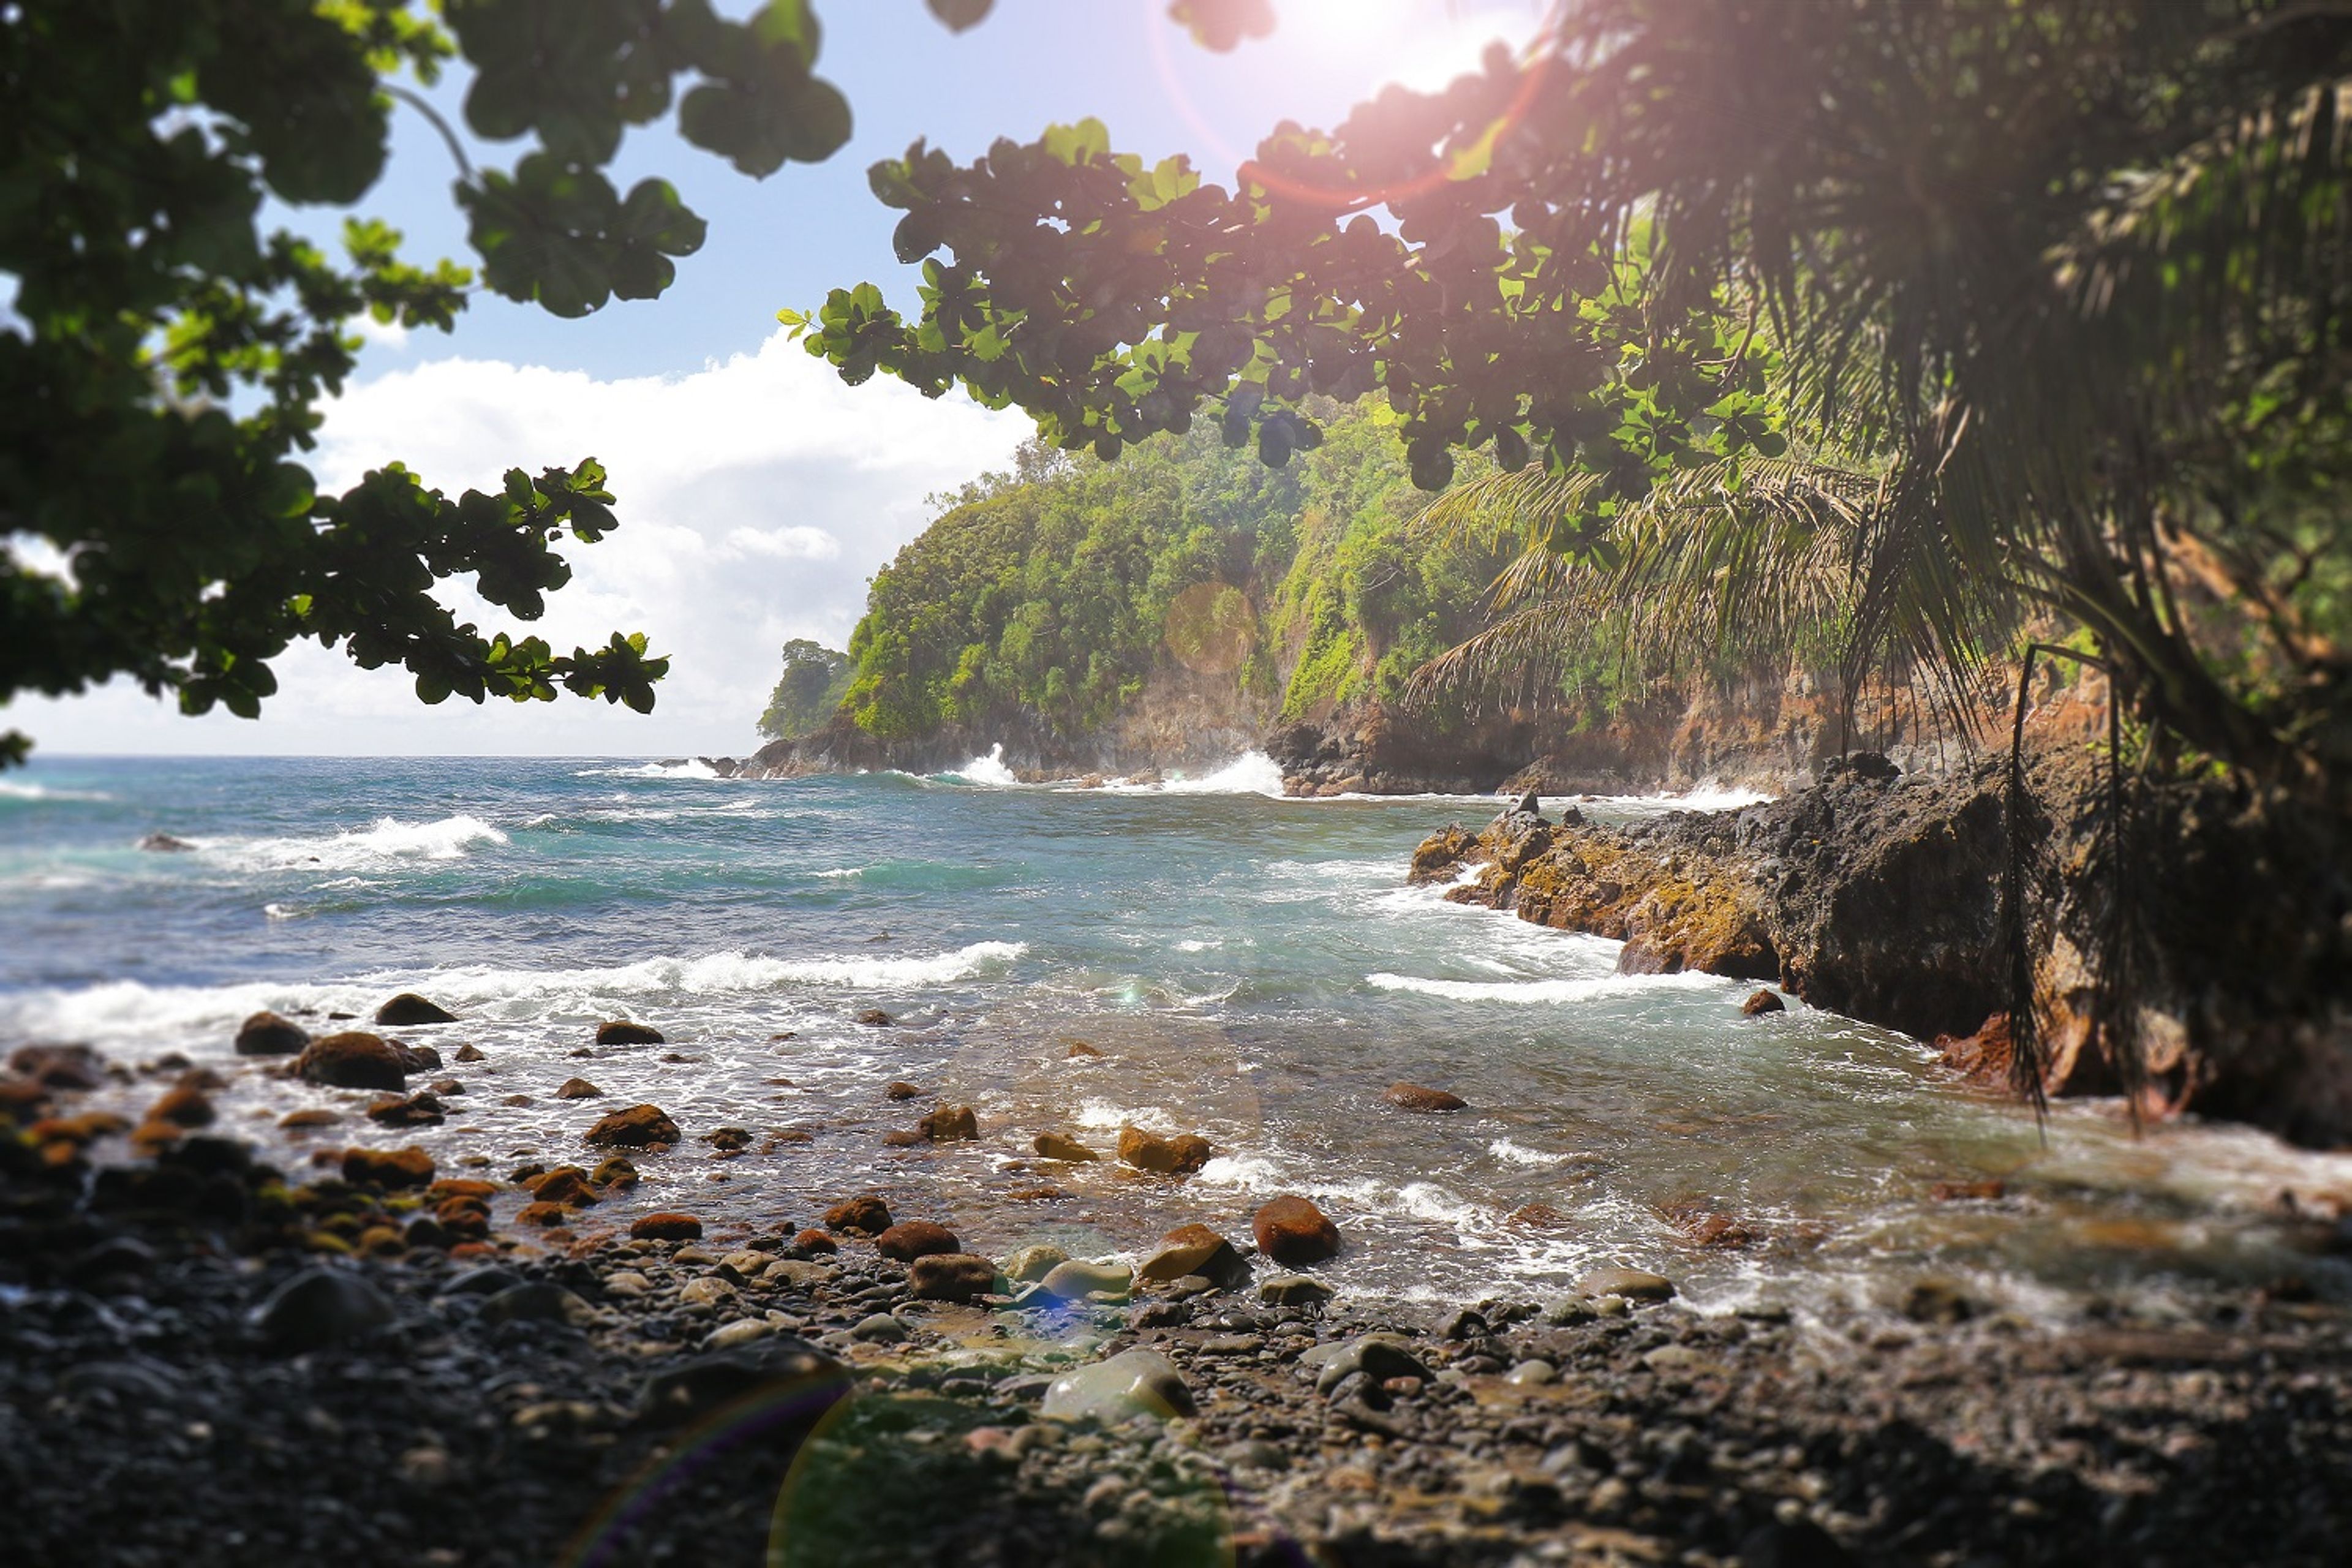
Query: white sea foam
x,y
840,873
988,770
126,1010
17,789
1543,990
1252,772
723,974
692,768
389,842
1512,1154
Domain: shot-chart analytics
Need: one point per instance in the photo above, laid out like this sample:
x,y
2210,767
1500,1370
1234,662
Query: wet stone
x,y
1631,1284
1134,1384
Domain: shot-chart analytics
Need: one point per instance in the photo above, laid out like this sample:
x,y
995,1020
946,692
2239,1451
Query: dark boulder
x,y
408,1009
638,1127
950,1277
268,1035
1414,1097
321,1307
865,1215
354,1059
621,1032
1291,1230
913,1239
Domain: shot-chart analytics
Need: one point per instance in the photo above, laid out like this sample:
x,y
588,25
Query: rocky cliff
x,y
2225,914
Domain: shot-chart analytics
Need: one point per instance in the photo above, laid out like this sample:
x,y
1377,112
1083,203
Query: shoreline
x,y
495,1390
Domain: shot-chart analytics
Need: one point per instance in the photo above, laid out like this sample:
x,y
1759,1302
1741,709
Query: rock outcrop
x,y
1878,895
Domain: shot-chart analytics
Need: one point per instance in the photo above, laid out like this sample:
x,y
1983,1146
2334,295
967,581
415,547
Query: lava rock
x,y
1291,1230
911,1239
1294,1291
1133,1383
865,1215
1180,1155
321,1307
1632,1284
1054,1146
1192,1250
950,1277
666,1227
781,1365
638,1127
353,1060
408,1008
951,1124
409,1167
268,1035
621,1032
1414,1097
535,1301
422,1109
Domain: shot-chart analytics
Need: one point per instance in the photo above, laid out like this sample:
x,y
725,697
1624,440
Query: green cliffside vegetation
x,y
1045,598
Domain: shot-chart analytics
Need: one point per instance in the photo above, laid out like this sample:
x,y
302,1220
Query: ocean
x,y
1250,968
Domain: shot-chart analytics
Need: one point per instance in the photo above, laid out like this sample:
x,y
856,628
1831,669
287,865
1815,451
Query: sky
x,y
758,494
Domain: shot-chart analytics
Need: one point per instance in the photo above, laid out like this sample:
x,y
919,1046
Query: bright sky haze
x,y
758,494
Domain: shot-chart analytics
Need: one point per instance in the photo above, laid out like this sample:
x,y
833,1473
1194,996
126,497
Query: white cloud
x,y
786,543
756,499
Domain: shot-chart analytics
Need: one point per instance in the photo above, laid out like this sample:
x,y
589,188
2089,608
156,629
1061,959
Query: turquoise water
x,y
1251,968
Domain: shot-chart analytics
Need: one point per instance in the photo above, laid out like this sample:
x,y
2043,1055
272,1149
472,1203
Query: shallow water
x,y
1252,969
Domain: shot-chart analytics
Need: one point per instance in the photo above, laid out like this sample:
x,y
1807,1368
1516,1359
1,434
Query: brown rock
x,y
1167,1156
729,1140
1762,1002
417,1058
268,1035
544,1212
1079,1050
446,1086
410,1167
616,1171
470,1052
59,1067
516,1100
353,1060
950,1277
449,1187
1036,1195
565,1184
1634,1284
814,1241
1192,1250
913,1239
951,1124
578,1089
1444,853
1414,1097
865,1215
1292,1231
1969,1192
409,1008
304,1121
184,1107
875,1019
638,1127
667,1227
153,1137
420,1110
1536,1216
1054,1146
903,1138
621,1032
902,1091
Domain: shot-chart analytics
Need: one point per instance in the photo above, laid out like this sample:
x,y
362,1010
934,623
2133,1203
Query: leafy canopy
x,y
166,352
2063,282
